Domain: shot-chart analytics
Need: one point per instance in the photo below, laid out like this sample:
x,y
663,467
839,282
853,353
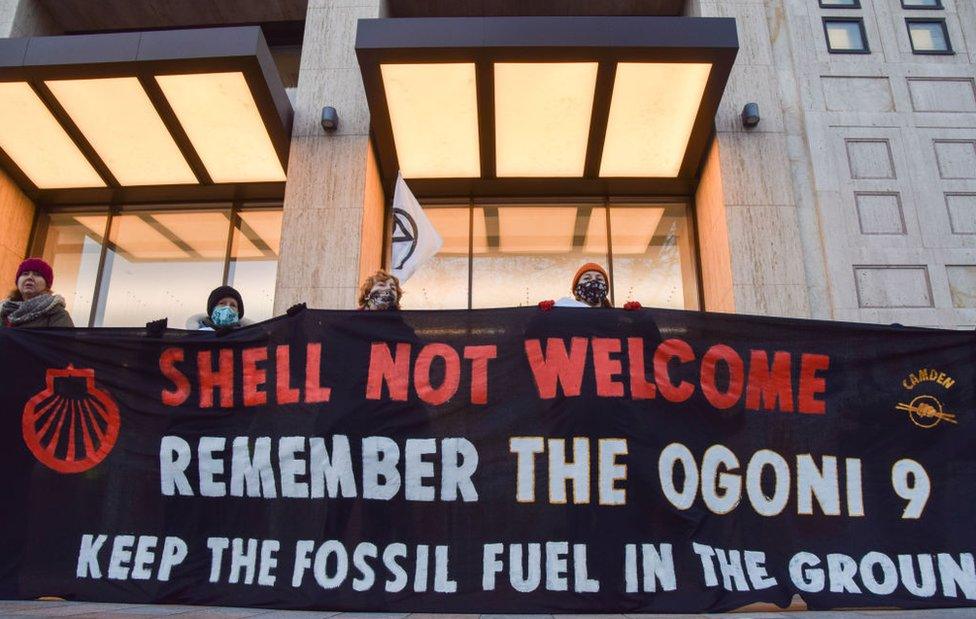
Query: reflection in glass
x,y
929,36
73,246
532,252
653,256
254,260
162,263
845,36
442,282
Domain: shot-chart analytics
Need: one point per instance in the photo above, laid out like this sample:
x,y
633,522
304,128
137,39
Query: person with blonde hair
x,y
380,291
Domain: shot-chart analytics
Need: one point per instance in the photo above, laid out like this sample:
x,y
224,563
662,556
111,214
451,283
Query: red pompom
x,y
632,305
546,305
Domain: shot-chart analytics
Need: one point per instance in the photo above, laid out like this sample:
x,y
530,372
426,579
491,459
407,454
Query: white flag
x,y
414,237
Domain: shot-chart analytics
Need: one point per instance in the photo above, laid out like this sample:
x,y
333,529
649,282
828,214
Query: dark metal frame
x,y
864,35
937,7
145,55
855,4
483,41
948,51
233,210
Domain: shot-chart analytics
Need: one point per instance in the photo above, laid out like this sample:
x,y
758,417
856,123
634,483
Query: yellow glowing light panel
x,y
434,113
452,224
541,230
542,117
652,113
118,119
32,137
224,125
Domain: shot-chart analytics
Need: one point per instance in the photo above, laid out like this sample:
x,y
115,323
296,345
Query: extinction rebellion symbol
x,y
71,425
404,231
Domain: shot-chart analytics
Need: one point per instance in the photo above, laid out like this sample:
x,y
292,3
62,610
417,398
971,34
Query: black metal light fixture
x,y
750,115
330,118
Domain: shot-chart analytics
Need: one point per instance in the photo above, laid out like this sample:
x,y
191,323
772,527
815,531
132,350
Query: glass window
x,y
929,36
160,262
532,252
845,36
921,4
253,265
519,255
442,282
72,245
653,256
840,4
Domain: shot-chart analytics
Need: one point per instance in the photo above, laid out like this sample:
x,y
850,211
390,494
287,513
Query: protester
x,y
380,291
32,305
225,311
590,288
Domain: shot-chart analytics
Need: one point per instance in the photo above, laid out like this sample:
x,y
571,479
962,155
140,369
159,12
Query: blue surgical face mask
x,y
224,315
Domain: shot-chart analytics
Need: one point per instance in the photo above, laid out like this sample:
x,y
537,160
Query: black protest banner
x,y
492,461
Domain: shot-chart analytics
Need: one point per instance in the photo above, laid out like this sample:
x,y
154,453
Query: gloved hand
x,y
296,309
632,305
546,305
156,328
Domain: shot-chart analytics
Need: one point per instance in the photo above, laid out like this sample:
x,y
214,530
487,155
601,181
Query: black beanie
x,y
222,292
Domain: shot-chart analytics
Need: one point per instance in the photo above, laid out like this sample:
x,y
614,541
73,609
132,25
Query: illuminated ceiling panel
x,y
133,236
542,117
221,118
652,113
544,106
633,228
37,144
118,119
434,114
137,117
541,230
266,225
204,232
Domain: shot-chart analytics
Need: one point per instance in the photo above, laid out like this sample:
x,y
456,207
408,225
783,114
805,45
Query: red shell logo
x,y
72,425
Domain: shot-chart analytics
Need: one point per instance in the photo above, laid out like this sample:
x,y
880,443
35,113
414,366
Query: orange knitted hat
x,y
589,266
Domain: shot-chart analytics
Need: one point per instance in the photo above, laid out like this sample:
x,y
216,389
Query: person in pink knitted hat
x,y
32,305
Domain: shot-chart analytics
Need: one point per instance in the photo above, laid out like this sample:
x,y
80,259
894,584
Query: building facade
x,y
853,198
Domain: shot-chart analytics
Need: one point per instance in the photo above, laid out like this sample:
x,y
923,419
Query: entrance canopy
x,y
167,115
531,106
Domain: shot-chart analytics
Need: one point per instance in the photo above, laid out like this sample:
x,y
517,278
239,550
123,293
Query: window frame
x,y
855,4
839,19
233,207
606,202
908,7
948,51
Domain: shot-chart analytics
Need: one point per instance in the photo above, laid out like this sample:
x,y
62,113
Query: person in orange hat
x,y
590,288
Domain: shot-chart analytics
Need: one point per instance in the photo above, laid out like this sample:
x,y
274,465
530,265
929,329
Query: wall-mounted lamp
x,y
750,115
330,118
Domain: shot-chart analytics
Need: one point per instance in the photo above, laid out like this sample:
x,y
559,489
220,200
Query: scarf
x,y
19,312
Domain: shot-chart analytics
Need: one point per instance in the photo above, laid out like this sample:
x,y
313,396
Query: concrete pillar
x,y
333,208
766,252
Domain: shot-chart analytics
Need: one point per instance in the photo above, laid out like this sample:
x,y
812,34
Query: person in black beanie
x,y
225,311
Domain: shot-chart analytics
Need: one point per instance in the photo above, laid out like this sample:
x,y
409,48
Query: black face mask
x,y
592,292
381,300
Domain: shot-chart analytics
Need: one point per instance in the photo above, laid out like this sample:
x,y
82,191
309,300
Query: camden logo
x,y
71,425
925,409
